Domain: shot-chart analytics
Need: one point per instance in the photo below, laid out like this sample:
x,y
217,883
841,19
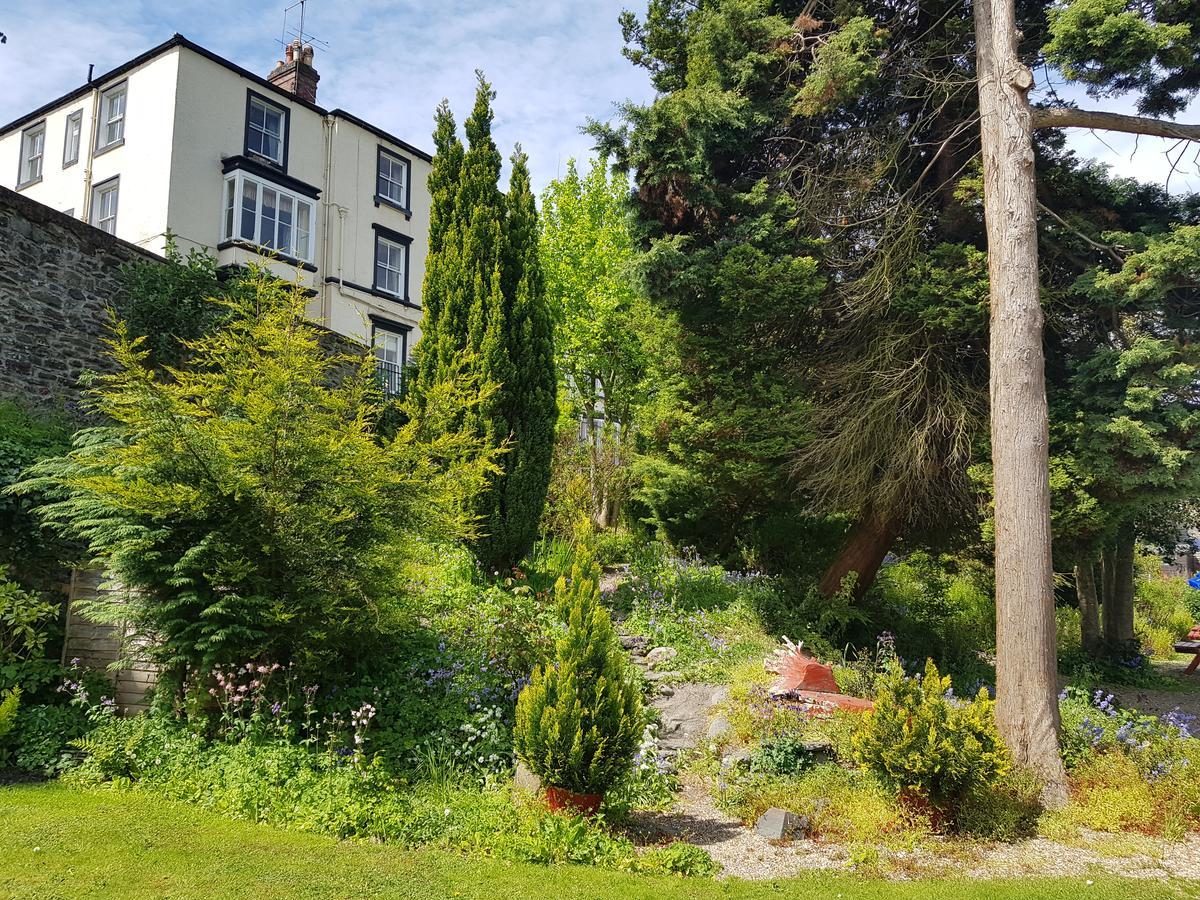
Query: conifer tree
x,y
486,314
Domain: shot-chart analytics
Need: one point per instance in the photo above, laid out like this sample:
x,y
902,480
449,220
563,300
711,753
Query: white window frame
x,y
267,107
386,266
384,179
111,131
72,138
240,186
106,220
33,155
391,371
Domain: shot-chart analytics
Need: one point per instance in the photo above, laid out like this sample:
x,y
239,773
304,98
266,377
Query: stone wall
x,y
58,276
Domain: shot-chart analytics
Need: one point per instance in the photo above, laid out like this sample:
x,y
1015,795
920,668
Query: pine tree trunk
x,y
863,553
1118,612
1026,663
1089,607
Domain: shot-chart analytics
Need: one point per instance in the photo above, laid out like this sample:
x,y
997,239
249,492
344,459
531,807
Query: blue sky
x,y
554,63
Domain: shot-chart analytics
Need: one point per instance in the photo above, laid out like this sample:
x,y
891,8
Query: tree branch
x,y
1066,117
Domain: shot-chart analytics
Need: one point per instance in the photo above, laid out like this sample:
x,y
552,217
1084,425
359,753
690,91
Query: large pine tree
x,y
486,318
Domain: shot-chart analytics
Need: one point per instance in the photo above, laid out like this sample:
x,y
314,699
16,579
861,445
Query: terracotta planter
x,y
562,800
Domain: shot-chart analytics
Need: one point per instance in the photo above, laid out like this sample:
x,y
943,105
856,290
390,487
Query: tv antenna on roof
x,y
298,33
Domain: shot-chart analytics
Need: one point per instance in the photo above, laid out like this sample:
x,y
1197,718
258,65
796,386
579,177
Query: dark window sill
x,y
25,184
100,151
374,292
267,253
381,200
67,165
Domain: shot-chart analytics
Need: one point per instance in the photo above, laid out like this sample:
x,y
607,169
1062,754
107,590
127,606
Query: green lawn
x,y
55,842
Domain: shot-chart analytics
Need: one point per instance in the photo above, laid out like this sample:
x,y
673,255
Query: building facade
x,y
248,169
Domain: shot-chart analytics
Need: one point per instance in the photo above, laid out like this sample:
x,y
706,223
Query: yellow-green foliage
x,y
918,739
579,720
1163,615
1110,793
9,702
843,805
842,67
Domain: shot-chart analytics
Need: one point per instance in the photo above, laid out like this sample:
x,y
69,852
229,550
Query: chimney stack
x,y
295,74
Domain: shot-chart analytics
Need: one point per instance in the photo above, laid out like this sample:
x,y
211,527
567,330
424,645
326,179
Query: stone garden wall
x,y
58,276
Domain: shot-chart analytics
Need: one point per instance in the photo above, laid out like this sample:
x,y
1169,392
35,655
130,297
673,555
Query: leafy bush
x,y
1005,811
1163,613
248,500
10,702
27,549
1094,724
920,740
939,608
38,739
781,756
579,719
25,621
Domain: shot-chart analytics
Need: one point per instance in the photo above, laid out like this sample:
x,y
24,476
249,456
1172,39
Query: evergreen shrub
x,y
579,720
924,743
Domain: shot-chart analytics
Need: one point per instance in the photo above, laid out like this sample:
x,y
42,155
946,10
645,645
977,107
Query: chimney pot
x,y
295,73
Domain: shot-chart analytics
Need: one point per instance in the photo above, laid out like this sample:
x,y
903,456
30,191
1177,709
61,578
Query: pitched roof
x,y
178,40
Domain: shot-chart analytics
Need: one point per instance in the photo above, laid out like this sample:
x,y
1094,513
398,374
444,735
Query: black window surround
x,y
379,323
398,238
381,199
254,166
252,95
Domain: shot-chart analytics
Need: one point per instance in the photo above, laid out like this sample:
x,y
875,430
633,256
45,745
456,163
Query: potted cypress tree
x,y
580,718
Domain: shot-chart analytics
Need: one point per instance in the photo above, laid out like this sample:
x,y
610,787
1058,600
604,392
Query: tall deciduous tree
x,y
604,327
486,315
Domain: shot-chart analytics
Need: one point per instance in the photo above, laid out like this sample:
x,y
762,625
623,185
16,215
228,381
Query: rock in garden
x,y
661,655
718,729
666,691
719,696
526,780
820,751
780,825
633,642
662,676
738,759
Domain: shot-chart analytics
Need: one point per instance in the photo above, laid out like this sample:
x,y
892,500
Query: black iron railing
x,y
391,378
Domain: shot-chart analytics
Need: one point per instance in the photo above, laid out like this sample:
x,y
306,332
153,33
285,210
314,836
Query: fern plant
x,y
579,720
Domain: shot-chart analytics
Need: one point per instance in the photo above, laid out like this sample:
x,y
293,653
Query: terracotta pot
x,y
562,800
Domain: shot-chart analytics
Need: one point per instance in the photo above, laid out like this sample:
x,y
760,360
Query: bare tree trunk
x,y
1107,579
863,553
1026,663
1089,607
1118,610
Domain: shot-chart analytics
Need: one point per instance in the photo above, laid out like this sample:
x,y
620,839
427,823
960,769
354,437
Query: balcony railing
x,y
391,378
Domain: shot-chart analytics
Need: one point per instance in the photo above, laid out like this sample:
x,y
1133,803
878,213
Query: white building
x,y
181,140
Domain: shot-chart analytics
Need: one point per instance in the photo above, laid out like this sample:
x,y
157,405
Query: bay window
x,y
267,215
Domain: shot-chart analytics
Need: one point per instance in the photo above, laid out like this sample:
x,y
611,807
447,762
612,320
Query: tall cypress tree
x,y
486,316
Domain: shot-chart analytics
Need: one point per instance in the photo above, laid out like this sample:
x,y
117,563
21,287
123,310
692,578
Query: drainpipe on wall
x,y
86,205
329,123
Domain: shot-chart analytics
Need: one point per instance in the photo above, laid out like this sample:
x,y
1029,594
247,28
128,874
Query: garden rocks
x,y
780,825
718,729
634,643
660,655
663,676
526,780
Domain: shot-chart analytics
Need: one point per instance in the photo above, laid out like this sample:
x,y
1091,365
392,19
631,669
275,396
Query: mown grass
x,y
59,843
